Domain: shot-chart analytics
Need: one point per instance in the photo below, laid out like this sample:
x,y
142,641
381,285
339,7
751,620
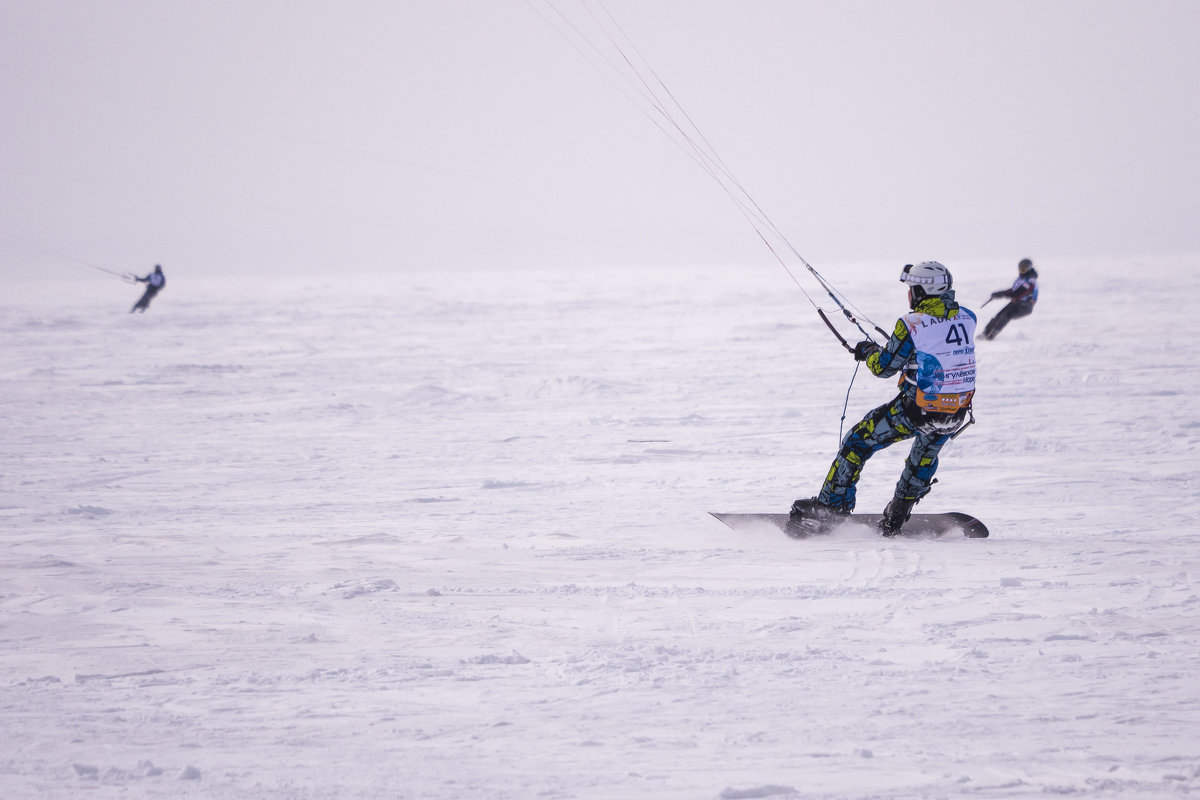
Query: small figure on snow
x,y
1021,299
933,350
155,281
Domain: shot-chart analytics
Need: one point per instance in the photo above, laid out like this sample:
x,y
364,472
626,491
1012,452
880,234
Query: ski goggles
x,y
906,276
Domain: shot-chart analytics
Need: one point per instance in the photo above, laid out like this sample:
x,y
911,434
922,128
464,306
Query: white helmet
x,y
930,278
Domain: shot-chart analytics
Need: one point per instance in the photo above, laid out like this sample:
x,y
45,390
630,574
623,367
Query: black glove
x,y
996,295
863,350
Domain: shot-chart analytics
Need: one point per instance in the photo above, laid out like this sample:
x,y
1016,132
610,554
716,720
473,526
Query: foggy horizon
x,y
302,137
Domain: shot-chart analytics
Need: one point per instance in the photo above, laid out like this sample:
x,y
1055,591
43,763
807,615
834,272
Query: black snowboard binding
x,y
809,517
898,510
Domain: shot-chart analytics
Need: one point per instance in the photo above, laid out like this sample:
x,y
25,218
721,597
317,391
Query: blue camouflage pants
x,y
884,426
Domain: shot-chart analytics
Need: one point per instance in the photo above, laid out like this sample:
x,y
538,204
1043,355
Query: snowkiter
x,y
1021,299
155,281
932,349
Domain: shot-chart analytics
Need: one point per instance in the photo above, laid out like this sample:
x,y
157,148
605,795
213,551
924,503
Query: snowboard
x,y
918,525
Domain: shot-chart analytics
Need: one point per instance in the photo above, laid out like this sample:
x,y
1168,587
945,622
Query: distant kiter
x,y
155,281
1021,299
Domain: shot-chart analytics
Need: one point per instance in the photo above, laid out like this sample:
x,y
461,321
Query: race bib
x,y
945,361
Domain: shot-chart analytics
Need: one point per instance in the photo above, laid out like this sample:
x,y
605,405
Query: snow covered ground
x,y
444,536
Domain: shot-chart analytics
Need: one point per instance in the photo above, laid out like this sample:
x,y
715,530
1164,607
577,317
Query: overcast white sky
x,y
294,135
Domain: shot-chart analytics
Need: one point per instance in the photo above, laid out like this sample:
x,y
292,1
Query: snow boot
x,y
898,510
810,516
